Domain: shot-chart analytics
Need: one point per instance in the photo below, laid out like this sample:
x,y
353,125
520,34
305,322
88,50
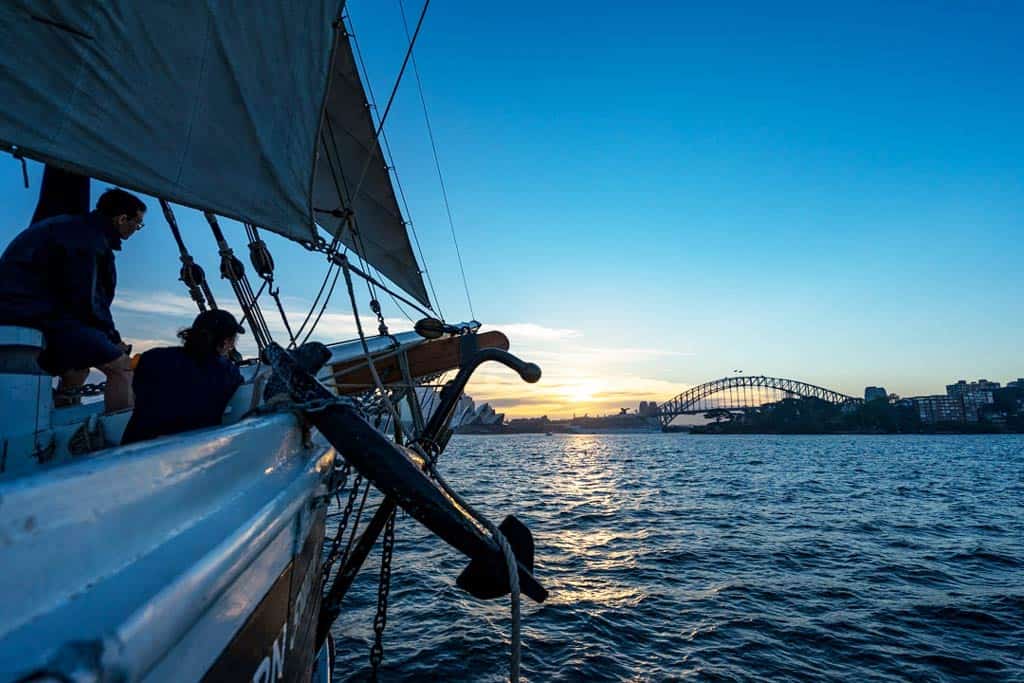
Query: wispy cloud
x,y
158,303
157,316
577,378
142,345
532,332
564,390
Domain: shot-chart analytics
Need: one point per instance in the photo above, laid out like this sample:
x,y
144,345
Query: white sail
x,y
351,160
210,104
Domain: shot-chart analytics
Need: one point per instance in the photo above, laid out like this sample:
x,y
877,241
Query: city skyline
x,y
829,194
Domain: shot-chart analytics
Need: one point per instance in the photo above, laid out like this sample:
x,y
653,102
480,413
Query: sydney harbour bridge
x,y
742,392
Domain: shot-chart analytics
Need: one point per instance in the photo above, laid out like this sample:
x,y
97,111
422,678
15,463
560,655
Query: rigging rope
x,y
391,99
511,563
232,270
191,273
316,301
323,308
263,263
347,215
394,172
437,160
345,267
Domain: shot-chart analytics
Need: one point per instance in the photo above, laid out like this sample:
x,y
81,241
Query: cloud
x,y
157,303
533,332
564,391
142,345
157,316
576,378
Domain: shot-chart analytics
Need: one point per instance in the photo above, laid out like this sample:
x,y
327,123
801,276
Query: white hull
x,y
189,557
145,562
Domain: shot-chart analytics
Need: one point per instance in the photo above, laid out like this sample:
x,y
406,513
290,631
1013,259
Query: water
x,y
671,556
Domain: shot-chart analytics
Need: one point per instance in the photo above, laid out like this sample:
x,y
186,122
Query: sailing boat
x,y
205,555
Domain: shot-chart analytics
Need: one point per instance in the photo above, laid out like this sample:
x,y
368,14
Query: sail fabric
x,y
212,104
352,174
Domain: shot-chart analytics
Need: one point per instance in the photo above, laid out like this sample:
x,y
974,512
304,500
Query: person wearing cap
x,y
180,388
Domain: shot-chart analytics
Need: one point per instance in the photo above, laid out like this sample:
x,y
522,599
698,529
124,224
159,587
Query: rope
x,y
437,160
323,308
232,270
394,170
263,264
390,99
316,301
347,215
511,563
191,273
419,309
362,339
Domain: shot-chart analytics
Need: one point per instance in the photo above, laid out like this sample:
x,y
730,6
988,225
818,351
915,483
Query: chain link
x,y
96,389
380,619
334,552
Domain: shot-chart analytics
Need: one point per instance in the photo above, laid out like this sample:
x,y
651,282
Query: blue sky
x,y
651,196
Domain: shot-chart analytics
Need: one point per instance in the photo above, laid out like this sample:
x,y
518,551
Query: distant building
x,y
875,393
974,396
487,416
648,409
939,408
482,416
962,387
1016,384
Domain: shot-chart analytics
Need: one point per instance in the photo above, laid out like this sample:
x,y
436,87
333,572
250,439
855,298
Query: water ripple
x,y
720,558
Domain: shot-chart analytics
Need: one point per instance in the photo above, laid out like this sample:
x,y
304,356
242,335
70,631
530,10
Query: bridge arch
x,y
742,392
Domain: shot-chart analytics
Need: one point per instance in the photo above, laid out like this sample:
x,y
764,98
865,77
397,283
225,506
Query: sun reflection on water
x,y
586,484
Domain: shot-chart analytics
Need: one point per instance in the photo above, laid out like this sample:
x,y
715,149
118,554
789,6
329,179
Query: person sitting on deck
x,y
58,276
179,388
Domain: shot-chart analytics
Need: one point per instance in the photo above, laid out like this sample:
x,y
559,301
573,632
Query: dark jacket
x,y
61,268
175,393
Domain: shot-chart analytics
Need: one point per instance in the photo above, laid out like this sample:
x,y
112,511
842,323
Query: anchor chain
x,y
380,619
334,552
95,389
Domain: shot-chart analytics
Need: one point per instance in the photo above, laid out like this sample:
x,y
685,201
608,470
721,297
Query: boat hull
x,y
277,642
185,558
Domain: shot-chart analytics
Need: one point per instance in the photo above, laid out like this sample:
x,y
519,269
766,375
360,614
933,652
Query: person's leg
x,y
118,394
70,381
70,345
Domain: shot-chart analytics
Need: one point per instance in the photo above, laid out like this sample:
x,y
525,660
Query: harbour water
x,y
671,556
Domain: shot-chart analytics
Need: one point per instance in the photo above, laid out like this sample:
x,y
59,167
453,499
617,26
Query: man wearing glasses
x,y
58,276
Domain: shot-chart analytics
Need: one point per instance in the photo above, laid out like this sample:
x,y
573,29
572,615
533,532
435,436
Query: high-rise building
x,y
648,409
963,387
875,393
939,408
972,395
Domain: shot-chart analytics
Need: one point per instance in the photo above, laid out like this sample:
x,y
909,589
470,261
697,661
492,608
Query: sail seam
x,y
203,68
339,27
390,160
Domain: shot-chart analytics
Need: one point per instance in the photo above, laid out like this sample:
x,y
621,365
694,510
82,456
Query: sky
x,y
652,196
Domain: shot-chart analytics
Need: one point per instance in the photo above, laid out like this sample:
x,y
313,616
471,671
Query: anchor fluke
x,y
487,577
